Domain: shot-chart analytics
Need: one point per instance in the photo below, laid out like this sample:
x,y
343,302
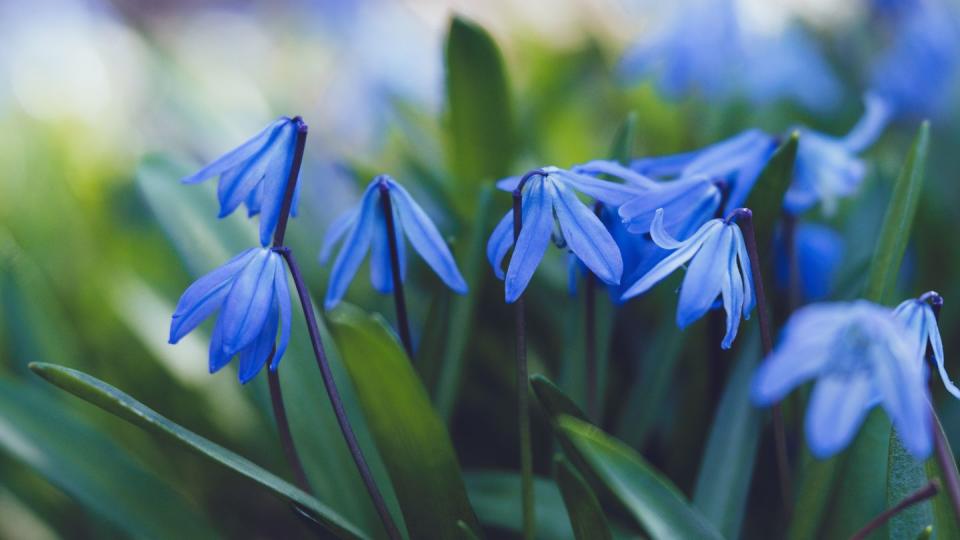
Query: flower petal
x,y
381,269
236,184
354,248
612,168
671,262
728,155
282,292
660,236
248,303
587,237
500,241
509,183
704,278
732,292
933,331
749,300
683,201
218,358
255,355
837,407
876,114
237,155
899,378
275,182
205,295
610,193
535,231
335,232
426,239
664,166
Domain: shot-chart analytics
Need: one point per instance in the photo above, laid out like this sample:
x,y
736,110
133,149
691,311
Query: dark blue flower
x,y
252,295
553,192
364,228
256,173
688,203
860,355
819,252
923,332
719,267
827,167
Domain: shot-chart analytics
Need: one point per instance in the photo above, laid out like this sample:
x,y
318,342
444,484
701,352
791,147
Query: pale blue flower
x,y
553,192
827,167
364,228
256,174
921,323
719,267
737,161
252,295
819,252
688,203
860,355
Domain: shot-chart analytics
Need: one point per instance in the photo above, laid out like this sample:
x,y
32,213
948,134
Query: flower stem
x,y
399,299
523,397
916,497
283,427
334,395
331,386
745,220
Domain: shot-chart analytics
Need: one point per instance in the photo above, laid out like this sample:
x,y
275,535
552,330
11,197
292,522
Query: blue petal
x,y
238,155
381,270
673,261
609,193
509,183
837,407
705,277
500,241
870,126
255,355
426,239
282,292
725,157
237,184
205,295
936,343
275,182
664,166
748,174
335,232
354,248
246,306
659,234
537,225
687,203
746,271
586,236
612,168
218,358
733,294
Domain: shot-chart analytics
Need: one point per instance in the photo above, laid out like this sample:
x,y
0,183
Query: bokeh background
x,y
104,105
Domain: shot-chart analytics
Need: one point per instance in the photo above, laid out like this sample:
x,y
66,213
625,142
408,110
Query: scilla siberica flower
x,y
552,192
256,173
917,314
719,266
860,356
364,228
827,167
251,293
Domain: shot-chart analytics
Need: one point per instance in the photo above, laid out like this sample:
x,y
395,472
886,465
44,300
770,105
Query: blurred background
x,y
105,105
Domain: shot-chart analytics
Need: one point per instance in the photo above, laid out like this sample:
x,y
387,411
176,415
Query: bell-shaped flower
x,y
687,203
827,168
860,355
256,174
719,267
921,323
552,192
252,295
364,228
737,162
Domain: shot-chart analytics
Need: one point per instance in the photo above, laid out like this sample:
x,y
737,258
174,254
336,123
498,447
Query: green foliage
x,y
586,515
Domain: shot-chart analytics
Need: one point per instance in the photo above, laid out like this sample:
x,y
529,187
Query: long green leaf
x,y
902,480
652,499
586,516
766,198
412,439
494,495
120,404
481,141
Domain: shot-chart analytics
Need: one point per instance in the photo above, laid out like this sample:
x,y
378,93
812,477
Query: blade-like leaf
x,y
586,516
766,198
414,443
481,142
652,499
902,480
623,142
120,404
494,495
39,430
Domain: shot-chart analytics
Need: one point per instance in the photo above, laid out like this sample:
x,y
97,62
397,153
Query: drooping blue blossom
x,y
719,267
553,192
860,355
819,252
921,323
737,162
364,228
256,174
688,203
827,167
250,291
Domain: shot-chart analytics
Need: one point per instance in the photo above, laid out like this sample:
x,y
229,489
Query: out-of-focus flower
x,y
860,355
550,191
256,173
252,295
719,266
819,252
827,167
364,228
921,323
737,161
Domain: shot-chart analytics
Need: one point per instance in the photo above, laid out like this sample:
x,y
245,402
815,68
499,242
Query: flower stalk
x,y
283,427
399,299
922,494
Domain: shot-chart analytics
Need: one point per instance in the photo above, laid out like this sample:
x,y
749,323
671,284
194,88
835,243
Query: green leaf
x,y
43,433
902,481
481,143
728,460
494,495
650,497
814,494
766,198
120,404
623,142
466,531
412,439
583,508
554,402
944,520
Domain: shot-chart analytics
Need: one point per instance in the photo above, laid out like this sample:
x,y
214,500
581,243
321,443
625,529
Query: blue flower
x,y
819,252
860,355
688,203
364,228
719,266
251,293
737,161
827,167
256,174
553,191
923,331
